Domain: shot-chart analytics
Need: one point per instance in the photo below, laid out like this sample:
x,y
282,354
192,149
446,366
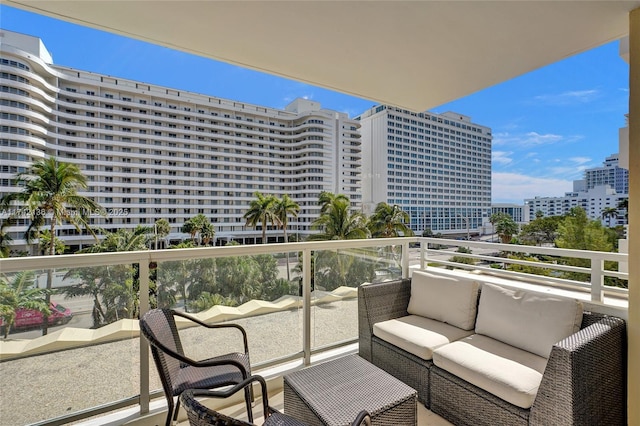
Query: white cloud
x,y
531,139
580,160
501,157
515,187
569,97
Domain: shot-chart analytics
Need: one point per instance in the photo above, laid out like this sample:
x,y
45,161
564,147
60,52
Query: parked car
x,y
30,318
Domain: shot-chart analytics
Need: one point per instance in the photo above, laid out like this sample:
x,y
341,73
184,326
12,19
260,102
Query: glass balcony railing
x,y
293,299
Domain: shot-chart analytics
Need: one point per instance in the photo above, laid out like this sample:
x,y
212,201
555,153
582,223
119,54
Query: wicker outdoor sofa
x,y
580,381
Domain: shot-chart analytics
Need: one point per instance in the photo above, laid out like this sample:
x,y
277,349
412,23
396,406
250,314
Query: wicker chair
x,y
178,372
199,415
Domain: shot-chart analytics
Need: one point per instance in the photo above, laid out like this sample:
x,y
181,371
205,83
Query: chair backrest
x,y
199,415
159,327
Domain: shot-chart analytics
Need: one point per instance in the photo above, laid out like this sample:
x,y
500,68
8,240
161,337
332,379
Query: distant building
x,y
519,213
610,173
602,188
152,152
436,167
594,202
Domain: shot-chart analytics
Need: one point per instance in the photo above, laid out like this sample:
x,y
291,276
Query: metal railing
x,y
429,250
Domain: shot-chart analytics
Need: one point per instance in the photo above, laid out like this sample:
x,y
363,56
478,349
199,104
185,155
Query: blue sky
x,y
548,125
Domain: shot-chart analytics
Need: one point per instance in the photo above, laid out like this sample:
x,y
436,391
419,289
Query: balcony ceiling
x,y
413,54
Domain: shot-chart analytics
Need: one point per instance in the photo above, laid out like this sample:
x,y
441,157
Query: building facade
x,y
436,167
152,152
519,213
594,201
610,173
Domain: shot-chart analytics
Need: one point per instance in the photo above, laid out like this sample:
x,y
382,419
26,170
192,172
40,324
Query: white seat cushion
x,y
418,335
509,373
527,320
449,299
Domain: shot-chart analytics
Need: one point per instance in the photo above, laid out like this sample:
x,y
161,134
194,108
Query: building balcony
x,y
96,369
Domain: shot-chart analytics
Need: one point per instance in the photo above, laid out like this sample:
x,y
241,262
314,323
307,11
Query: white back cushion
x,y
449,299
529,321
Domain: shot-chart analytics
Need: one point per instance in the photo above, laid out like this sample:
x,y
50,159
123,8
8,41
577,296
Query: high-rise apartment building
x,y
436,167
610,173
152,152
602,188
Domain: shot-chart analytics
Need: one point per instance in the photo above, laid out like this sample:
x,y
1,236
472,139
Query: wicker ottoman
x,y
334,392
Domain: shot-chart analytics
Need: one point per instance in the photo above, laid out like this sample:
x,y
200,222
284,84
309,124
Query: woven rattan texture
x,y
333,393
199,415
584,382
404,366
377,303
464,404
159,328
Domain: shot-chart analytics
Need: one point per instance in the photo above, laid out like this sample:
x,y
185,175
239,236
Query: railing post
x,y
597,280
405,259
143,266
423,253
306,305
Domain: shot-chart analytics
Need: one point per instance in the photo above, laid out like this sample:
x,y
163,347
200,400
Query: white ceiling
x,y
413,54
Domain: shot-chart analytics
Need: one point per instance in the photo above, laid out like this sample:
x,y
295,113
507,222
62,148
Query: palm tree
x,y
207,232
45,242
50,192
338,222
284,207
5,239
624,205
326,198
115,286
261,212
609,213
505,226
21,293
389,221
162,229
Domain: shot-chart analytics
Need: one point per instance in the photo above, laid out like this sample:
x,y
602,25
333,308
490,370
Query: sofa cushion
x,y
507,372
530,321
418,335
448,299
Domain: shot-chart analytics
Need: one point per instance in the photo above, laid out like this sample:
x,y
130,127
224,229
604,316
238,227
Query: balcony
x,y
95,365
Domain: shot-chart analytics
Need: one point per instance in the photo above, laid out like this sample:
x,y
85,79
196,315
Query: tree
x,y
21,293
541,230
338,222
207,232
5,239
284,207
326,198
624,205
162,230
262,212
609,213
389,221
577,231
45,241
504,226
50,193
114,288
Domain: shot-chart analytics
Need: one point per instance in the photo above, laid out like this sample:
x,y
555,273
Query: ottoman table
x,y
334,392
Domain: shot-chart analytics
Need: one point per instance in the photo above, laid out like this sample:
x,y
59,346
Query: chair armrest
x,y
585,378
227,325
363,417
380,302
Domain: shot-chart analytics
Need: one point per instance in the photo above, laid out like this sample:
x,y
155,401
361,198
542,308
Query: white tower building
x,y
152,152
436,167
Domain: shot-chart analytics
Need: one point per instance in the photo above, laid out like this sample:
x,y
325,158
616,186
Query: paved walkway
x,y
41,387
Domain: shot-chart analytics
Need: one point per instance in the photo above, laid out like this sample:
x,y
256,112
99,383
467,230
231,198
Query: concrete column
x,y
633,378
